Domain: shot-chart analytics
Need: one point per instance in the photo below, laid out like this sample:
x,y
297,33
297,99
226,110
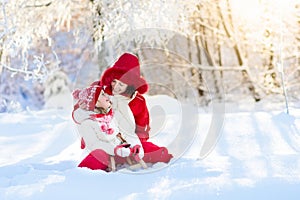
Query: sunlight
x,y
247,10
252,10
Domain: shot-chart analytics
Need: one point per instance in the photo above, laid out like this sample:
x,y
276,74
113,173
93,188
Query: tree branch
x,y
39,5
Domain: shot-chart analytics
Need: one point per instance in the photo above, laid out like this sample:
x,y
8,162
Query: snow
x,y
255,156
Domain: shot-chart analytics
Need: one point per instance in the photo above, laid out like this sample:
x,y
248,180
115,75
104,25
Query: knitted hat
x,y
127,70
88,96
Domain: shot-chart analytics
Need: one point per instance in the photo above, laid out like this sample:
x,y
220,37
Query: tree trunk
x,y
238,53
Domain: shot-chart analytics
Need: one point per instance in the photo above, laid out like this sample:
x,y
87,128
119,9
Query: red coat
x,y
141,116
153,153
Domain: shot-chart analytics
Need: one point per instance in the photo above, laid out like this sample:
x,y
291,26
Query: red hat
x,y
88,96
127,70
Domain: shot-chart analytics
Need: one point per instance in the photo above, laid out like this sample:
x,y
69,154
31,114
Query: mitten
x,y
136,153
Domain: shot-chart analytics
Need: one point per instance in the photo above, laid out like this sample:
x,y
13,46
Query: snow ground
x,y
256,156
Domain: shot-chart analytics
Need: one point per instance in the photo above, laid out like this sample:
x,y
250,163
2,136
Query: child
x,y
99,129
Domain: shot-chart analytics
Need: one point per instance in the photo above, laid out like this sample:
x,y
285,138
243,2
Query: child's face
x,y
103,101
118,87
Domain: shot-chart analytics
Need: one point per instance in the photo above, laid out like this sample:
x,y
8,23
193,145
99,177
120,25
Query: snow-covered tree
x,y
38,37
230,44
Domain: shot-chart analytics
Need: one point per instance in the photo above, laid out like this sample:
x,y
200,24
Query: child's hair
x,y
100,110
